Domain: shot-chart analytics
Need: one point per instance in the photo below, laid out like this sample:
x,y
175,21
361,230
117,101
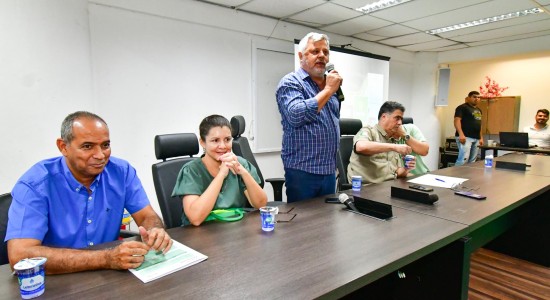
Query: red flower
x,y
492,89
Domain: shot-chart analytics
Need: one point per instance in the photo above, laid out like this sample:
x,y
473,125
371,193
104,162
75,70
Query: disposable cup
x,y
31,275
267,214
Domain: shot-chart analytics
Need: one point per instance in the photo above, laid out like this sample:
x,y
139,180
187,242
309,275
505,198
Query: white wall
x,y
147,67
44,75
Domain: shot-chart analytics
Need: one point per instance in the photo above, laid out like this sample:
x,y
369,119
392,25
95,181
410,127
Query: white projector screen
x,y
365,82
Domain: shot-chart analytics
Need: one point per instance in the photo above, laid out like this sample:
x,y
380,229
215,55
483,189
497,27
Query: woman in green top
x,y
218,179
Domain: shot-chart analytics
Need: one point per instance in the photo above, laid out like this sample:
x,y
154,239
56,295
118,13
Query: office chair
x,y
180,147
5,202
407,120
348,129
242,148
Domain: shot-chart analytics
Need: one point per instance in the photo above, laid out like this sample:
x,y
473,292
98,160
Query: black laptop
x,y
514,139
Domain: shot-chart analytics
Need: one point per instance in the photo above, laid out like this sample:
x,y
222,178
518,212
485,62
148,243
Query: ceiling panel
x,y
325,14
502,32
356,25
423,8
230,3
495,25
470,13
428,45
510,38
453,47
279,8
410,39
393,30
369,37
403,26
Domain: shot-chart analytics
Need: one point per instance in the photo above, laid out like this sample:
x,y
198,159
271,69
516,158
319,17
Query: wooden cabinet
x,y
500,114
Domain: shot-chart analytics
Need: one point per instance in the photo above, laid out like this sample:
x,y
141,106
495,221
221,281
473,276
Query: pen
x,y
440,180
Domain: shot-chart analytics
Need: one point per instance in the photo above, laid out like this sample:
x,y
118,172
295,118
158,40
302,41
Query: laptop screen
x,y
514,139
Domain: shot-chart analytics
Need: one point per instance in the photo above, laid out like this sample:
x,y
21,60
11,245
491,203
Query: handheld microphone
x,y
339,94
344,199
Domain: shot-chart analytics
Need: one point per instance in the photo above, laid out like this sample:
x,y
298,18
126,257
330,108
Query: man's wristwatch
x,y
407,137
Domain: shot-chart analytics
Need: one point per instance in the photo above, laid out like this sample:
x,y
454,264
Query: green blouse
x,y
194,179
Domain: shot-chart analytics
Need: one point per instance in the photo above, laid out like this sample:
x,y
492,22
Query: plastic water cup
x,y
267,214
32,279
407,159
356,182
489,161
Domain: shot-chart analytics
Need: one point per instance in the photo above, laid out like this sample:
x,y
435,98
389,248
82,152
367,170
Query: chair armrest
x,y
345,186
277,184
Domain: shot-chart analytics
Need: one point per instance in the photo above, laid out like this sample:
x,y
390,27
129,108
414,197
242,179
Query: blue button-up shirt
x,y
310,139
50,205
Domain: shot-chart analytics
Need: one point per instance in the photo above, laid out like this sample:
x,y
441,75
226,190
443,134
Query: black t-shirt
x,y
470,120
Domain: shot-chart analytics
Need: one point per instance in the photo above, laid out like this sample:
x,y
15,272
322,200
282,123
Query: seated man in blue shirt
x,y
66,203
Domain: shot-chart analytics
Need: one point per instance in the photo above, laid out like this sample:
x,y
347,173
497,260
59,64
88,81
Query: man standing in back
x,y
468,134
539,134
309,114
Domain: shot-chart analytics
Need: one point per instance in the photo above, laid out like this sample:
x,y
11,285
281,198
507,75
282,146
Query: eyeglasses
x,y
459,187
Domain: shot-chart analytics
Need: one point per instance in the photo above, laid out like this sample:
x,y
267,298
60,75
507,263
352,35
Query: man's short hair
x,y
470,94
543,110
390,107
313,36
67,124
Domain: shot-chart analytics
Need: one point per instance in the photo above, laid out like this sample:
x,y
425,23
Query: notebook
x,y
514,139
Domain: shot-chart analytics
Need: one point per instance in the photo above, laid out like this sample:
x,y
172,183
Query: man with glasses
x,y
468,134
377,150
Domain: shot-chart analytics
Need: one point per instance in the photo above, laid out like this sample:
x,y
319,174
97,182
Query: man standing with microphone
x,y
310,112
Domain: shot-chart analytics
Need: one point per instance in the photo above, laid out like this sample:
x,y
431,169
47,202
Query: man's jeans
x,y
467,152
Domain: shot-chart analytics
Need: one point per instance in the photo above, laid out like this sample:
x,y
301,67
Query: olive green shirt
x,y
194,179
377,167
415,132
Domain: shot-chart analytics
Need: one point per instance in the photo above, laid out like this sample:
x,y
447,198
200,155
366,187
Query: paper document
x,y
438,180
157,265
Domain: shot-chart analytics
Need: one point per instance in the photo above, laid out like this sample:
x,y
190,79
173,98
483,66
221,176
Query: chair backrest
x,y
175,150
5,202
407,120
240,144
348,129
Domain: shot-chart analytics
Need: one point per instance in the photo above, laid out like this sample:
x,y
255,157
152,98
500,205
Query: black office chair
x,y
5,202
407,120
348,129
180,147
242,148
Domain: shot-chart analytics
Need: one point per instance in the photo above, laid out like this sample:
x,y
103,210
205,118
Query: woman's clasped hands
x,y
229,162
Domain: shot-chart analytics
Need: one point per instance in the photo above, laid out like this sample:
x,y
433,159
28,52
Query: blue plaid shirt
x,y
310,139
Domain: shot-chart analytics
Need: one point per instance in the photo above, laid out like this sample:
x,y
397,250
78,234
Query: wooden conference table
x,y
495,149
517,202
327,252
324,252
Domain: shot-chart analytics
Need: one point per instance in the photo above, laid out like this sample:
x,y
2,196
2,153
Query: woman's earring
x,y
203,150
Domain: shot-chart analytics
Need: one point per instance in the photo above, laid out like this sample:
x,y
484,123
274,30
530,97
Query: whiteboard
x,y
270,67
365,86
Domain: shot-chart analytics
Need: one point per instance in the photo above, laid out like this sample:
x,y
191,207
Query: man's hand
x,y
128,255
462,139
400,132
156,238
402,149
333,82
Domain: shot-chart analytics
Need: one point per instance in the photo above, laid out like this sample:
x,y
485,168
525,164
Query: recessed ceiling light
x,y
512,15
378,5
